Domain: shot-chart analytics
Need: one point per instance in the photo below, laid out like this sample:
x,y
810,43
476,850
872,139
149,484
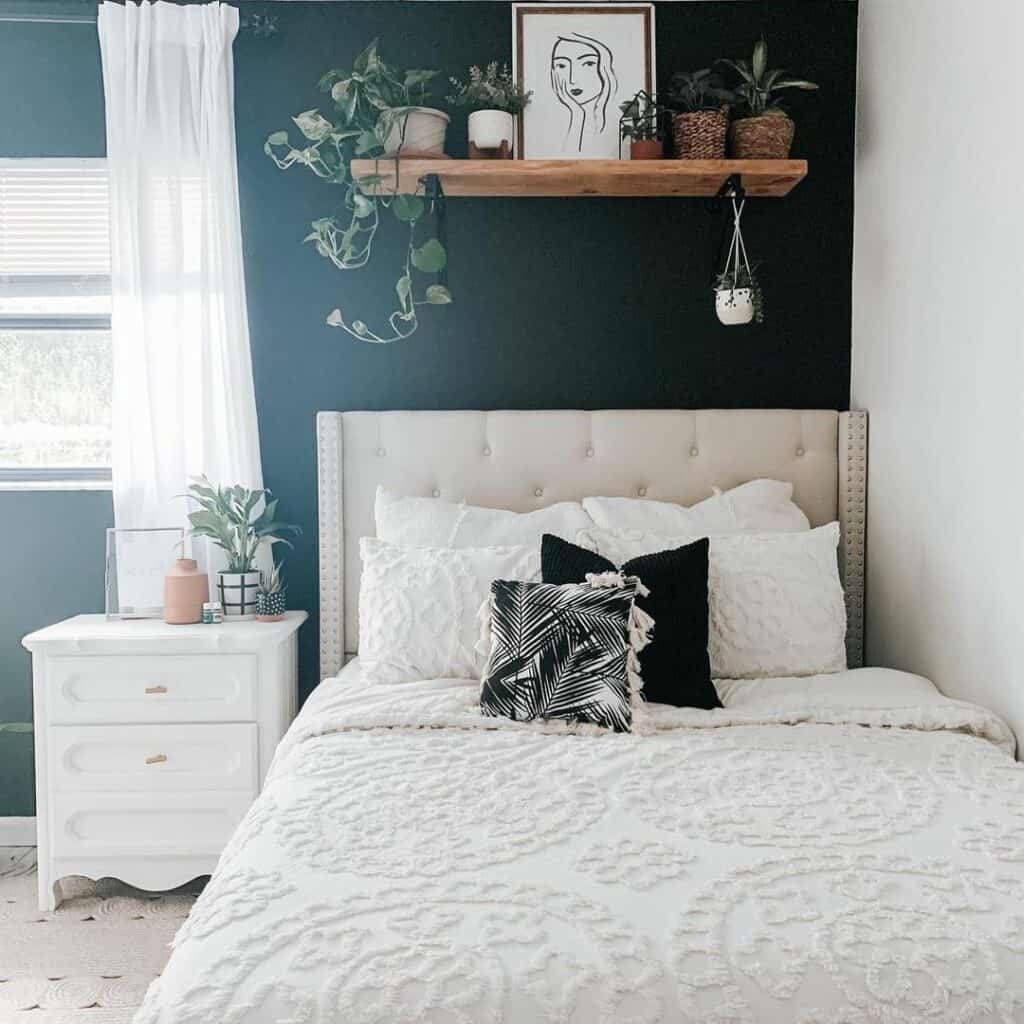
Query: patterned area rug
x,y
89,962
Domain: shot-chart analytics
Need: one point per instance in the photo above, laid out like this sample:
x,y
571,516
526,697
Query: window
x,y
55,351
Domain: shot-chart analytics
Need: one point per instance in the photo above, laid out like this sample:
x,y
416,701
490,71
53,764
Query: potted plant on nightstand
x,y
495,101
238,521
641,123
701,121
764,131
270,600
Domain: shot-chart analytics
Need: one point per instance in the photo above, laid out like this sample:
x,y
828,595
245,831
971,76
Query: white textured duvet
x,y
833,850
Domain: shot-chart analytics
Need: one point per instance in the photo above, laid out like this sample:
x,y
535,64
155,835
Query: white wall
x,y
938,301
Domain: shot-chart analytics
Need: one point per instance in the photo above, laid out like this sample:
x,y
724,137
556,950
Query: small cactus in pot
x,y
270,602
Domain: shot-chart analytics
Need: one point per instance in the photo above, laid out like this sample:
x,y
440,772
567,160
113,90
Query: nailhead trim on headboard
x,y
853,485
332,552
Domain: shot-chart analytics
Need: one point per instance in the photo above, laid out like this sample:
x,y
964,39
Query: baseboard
x,y
17,831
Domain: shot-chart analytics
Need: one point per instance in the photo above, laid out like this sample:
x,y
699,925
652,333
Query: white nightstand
x,y
152,741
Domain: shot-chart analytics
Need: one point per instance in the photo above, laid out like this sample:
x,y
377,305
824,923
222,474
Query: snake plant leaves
x,y
430,257
407,208
438,295
760,59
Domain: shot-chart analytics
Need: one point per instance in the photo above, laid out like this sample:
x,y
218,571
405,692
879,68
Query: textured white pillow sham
x,y
760,506
431,522
418,607
775,601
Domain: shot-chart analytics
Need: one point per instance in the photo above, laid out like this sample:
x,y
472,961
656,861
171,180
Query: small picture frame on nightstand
x,y
137,561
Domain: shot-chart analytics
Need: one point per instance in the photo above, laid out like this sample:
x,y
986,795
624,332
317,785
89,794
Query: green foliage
x,y
642,117
493,88
271,582
757,87
55,398
693,91
237,520
369,100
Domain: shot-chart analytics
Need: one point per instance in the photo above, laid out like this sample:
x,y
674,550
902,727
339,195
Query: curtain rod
x,y
51,12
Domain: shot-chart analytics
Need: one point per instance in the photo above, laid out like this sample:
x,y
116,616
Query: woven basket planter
x,y
767,137
700,135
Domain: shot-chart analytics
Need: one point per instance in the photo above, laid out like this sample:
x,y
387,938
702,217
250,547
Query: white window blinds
x,y
54,218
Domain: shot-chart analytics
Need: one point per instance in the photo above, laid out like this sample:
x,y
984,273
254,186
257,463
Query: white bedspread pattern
x,y
726,867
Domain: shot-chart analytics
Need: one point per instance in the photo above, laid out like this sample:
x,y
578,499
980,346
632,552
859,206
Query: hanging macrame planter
x,y
737,293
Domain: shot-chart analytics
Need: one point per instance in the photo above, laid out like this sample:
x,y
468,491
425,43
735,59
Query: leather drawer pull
x,y
156,689
156,759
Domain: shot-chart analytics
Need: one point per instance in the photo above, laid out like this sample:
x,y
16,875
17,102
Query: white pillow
x,y
775,602
418,607
760,506
431,522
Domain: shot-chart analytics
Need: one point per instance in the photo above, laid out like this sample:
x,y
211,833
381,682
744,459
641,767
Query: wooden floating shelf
x,y
583,177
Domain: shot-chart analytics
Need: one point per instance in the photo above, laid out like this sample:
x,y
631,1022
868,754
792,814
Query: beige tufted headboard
x,y
523,460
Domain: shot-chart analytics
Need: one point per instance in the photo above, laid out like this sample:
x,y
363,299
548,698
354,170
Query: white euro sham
x,y
760,506
418,607
775,600
432,522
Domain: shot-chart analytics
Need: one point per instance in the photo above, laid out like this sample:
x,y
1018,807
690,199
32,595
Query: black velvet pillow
x,y
675,666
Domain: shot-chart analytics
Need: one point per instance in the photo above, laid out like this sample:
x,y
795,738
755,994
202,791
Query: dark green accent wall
x,y
563,303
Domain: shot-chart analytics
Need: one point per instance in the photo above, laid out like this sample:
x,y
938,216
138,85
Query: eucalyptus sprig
x,y
492,88
368,101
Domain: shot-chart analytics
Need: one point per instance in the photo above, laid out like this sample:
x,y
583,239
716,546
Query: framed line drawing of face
x,y
582,61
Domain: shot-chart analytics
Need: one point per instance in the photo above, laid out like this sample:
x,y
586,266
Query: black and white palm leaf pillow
x,y
564,652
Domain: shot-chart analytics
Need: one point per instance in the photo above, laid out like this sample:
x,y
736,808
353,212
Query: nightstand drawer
x,y
153,758
112,689
125,825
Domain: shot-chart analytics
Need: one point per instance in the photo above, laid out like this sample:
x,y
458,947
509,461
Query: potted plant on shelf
x,y
270,600
372,118
495,101
641,123
238,521
700,122
390,102
764,131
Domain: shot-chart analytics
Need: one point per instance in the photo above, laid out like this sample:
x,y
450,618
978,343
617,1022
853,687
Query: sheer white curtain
x,y
183,391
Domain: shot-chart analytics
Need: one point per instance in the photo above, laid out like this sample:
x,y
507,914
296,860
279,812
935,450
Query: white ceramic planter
x,y
237,592
489,128
417,130
734,305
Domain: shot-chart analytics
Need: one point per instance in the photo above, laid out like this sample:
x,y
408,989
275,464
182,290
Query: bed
x,y
826,850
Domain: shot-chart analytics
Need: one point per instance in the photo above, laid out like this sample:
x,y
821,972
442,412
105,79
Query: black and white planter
x,y
238,593
734,305
270,607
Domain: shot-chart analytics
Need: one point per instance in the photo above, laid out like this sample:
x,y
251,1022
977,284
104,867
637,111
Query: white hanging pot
x,y
416,131
489,128
734,305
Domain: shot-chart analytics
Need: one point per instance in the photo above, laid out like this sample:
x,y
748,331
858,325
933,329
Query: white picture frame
x,y
582,61
137,562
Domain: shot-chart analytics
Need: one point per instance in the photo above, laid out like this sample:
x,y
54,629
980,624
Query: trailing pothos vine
x,y
369,101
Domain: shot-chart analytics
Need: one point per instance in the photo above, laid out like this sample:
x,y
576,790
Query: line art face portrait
x,y
581,62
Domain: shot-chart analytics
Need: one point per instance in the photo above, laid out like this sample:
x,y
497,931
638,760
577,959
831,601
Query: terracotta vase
x,y
186,588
